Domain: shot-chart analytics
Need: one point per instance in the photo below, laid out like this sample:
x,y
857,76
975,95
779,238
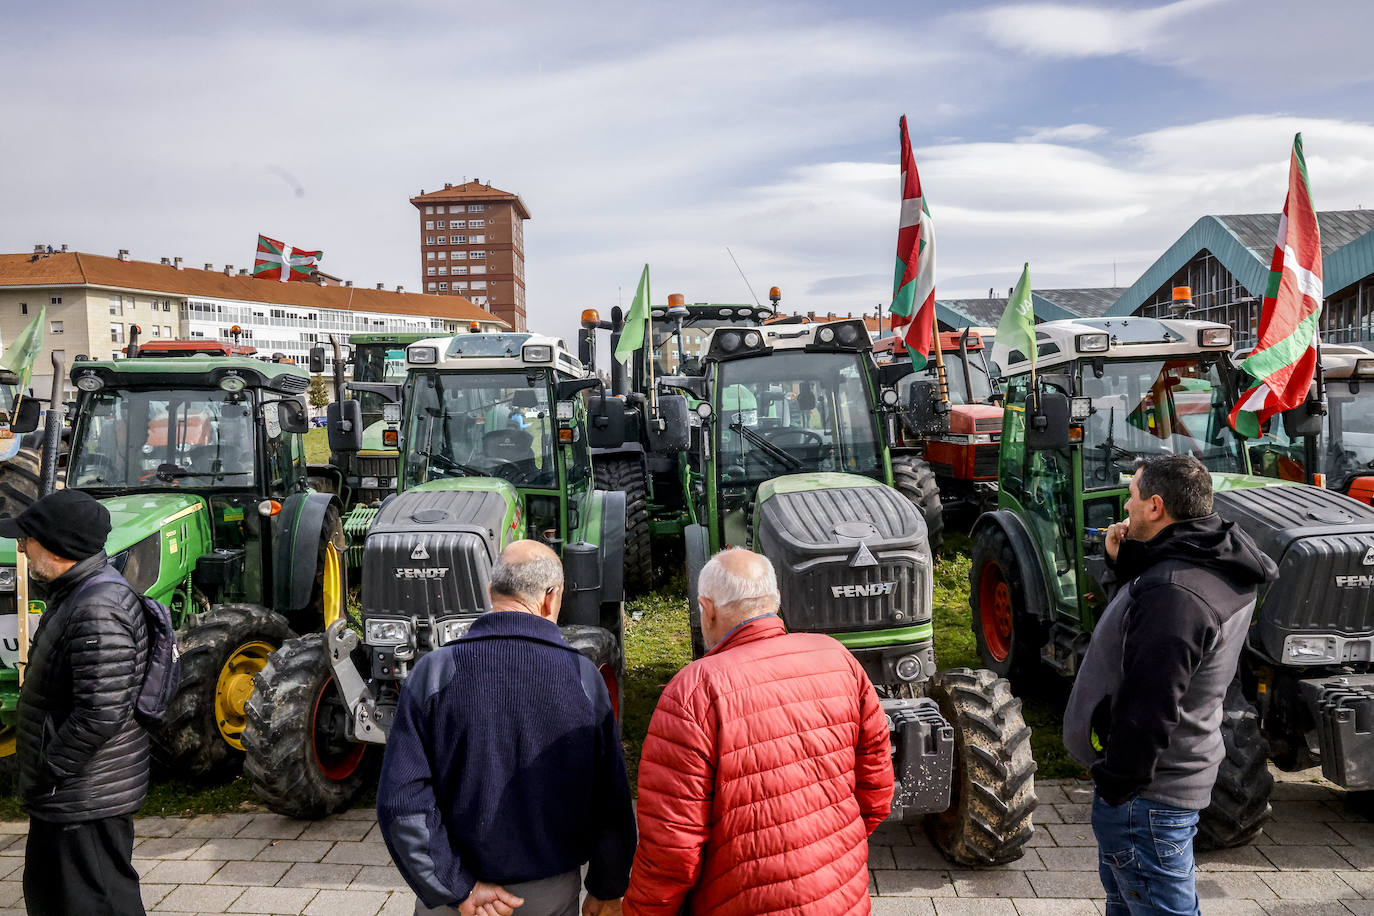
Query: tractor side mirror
x,y
316,360
345,425
673,432
292,416
922,415
606,426
892,373
1048,429
567,390
1303,420
25,419
525,398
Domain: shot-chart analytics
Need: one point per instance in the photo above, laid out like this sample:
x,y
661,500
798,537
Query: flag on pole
x,y
278,261
1284,361
20,355
636,322
1016,330
913,286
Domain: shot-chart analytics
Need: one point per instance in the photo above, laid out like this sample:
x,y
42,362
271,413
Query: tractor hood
x,y
972,419
134,517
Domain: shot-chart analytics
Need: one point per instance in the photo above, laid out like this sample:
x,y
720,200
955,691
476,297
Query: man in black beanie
x,y
83,757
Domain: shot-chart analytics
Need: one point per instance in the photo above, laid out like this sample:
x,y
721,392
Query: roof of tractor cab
x,y
844,335
474,352
1342,361
1059,342
196,371
890,348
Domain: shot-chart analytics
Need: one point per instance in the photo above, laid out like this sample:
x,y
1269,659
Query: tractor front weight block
x,y
922,758
1343,708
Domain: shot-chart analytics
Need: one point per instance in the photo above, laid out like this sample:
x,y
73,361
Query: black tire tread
x,y
629,477
19,480
916,481
1028,636
988,821
1240,808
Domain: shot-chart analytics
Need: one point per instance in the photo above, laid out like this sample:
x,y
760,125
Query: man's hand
x,y
1116,533
594,907
489,900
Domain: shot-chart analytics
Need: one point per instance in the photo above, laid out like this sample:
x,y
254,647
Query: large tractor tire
x,y
988,821
628,476
602,649
1240,798
329,597
1009,640
299,760
19,480
697,547
9,761
914,479
202,731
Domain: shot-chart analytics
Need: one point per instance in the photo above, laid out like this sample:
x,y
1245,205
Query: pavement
x,y
1316,858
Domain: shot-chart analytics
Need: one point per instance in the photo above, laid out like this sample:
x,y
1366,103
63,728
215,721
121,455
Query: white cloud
x,y
1068,133
1062,30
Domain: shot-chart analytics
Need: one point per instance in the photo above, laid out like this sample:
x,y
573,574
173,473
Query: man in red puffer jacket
x,y
765,769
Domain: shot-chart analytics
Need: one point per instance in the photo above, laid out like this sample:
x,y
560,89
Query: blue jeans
x,y
1145,857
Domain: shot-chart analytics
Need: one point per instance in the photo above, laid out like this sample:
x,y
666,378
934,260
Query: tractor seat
x,y
508,445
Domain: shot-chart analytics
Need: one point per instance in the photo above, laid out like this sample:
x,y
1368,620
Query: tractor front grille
x,y
834,597
987,425
985,461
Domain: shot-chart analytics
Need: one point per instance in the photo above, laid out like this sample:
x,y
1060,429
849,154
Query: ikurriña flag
x,y
1284,360
913,285
279,261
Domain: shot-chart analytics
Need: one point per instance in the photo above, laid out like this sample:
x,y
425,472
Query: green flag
x,y
632,335
19,356
1016,330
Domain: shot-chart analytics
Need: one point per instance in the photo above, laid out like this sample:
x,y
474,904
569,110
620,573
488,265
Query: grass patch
x,y
317,446
658,644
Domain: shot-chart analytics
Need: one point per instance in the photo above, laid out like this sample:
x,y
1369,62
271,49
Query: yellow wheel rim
x,y
8,745
333,584
235,686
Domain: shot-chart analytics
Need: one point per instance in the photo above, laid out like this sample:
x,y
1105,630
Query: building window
x,y
430,286
443,285
166,330
429,256
458,239
429,271
429,240
443,271
477,255
457,224
429,211
155,331
166,305
116,305
429,225
56,300
477,240
479,300
460,284
479,284
57,327
478,269
477,224
443,240
458,255
23,308
457,271
116,333
476,208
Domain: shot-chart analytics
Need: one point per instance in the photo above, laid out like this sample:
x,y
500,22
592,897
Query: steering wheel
x,y
520,473
794,436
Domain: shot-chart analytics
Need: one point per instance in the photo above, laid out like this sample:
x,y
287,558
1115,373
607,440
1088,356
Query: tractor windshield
x,y
481,425
156,438
1149,407
968,380
793,412
1350,424
377,362
667,354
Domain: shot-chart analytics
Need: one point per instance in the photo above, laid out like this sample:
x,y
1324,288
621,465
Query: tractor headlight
x,y
454,630
825,335
1364,368
388,632
1310,650
908,667
89,381
848,334
890,397
536,353
7,579
1214,337
730,341
422,356
231,383
1091,343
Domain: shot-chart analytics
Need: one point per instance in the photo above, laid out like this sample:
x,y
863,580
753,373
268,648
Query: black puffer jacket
x,y
82,754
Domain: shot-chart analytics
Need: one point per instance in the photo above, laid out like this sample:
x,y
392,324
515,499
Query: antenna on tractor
x,y
743,277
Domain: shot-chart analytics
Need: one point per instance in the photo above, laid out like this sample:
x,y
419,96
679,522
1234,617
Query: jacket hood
x,y
1208,542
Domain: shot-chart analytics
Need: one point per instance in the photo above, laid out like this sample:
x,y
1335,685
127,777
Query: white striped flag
x,y
1284,361
913,285
279,261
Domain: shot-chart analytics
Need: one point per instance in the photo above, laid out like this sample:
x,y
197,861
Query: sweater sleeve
x,y
102,648
1167,634
873,782
408,811
613,846
676,791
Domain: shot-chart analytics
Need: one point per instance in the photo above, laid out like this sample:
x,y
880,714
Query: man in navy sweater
x,y
503,772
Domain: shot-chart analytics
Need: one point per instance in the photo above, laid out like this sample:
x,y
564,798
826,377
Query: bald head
x,y
528,576
735,586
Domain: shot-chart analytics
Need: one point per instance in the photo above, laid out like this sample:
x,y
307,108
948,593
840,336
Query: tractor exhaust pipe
x,y
52,427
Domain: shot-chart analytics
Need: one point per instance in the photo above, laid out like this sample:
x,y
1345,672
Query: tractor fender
x,y
612,542
297,548
1362,488
1037,593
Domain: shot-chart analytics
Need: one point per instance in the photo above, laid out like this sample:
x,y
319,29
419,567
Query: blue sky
x,y
1075,136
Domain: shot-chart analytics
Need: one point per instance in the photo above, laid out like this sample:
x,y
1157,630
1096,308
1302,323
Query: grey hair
x,y
724,588
530,579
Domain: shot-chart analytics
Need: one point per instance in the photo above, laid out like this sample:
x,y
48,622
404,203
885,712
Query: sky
x,y
1082,138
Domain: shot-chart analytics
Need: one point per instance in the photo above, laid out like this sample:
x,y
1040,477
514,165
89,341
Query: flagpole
x,y
648,351
939,360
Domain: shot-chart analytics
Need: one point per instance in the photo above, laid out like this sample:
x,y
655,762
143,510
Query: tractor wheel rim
x,y
612,687
9,744
995,611
335,763
235,686
332,586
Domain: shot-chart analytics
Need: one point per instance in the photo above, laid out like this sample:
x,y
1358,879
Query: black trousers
x,y
83,868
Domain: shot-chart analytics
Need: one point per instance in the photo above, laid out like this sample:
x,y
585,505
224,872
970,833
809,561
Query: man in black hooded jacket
x,y
1146,707
83,757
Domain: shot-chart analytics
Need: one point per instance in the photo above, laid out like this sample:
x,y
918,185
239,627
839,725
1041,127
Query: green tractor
x,y
200,461
495,444
791,457
1104,393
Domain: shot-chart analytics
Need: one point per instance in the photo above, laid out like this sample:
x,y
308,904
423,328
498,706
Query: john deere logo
x,y
862,591
412,572
419,553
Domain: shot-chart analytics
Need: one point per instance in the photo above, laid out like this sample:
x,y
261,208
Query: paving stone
x,y
314,874
1046,814
375,835
990,882
11,868
897,906
230,848
1360,907
1077,884
152,826
1234,906
346,903
250,874
1302,858
1071,834
904,882
273,827
152,893
358,814
143,865
1080,793
378,878
891,834
403,904
172,871
951,906
1301,810
1306,886
1036,906
1217,885
1040,837
1361,834
11,892
1311,908
294,851
201,898
334,829
918,856
1357,856
1362,882
1074,813
374,854
167,847
273,900
1303,833
880,857
1241,858
1286,791
1049,794
15,827
1069,858
212,826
